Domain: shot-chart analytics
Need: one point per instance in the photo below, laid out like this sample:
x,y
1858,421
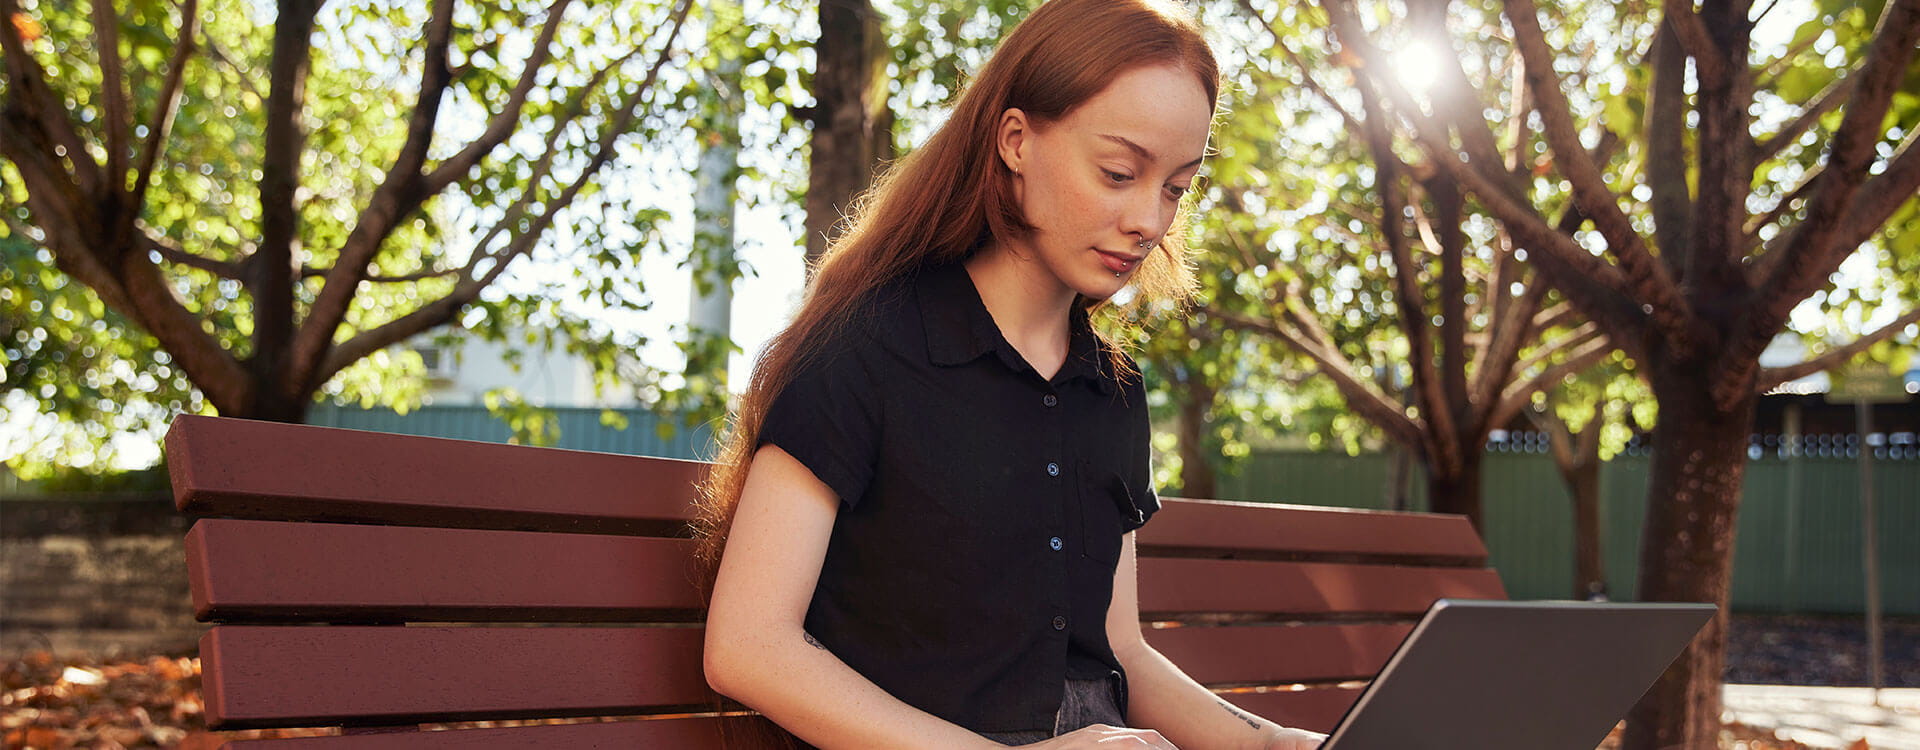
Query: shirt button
x,y
1053,469
1050,400
1055,543
1059,623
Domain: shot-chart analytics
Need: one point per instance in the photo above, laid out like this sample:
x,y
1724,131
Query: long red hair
x,y
953,193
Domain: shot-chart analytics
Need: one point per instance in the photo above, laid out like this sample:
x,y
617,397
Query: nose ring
x,y
1145,244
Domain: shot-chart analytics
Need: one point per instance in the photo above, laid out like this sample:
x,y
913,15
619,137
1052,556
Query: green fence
x,y
1798,547
579,428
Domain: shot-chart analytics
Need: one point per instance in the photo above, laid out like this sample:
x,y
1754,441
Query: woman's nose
x,y
1144,216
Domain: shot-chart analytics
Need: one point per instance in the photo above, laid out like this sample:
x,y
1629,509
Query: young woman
x,y
927,497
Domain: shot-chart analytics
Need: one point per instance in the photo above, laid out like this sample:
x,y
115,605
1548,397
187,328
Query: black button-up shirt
x,y
982,506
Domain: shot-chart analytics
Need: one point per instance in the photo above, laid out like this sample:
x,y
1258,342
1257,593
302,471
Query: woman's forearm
x,y
786,675
1162,697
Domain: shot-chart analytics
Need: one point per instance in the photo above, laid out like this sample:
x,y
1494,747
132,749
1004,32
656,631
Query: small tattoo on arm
x,y
1244,716
815,641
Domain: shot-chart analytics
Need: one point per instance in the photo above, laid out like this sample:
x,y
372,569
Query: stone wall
x,y
105,575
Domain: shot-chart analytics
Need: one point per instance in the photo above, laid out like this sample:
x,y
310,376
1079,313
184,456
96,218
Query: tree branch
x,y
36,114
1772,377
167,104
117,116
400,192
1410,298
271,267
220,268
1751,232
1824,102
1306,73
1519,394
442,310
1578,336
1647,279
310,272
1512,330
1818,243
1361,394
1672,203
502,123
1516,328
1693,36
1881,196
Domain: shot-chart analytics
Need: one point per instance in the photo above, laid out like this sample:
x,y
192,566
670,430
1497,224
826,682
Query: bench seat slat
x,y
1214,528
1270,654
320,571
249,469
1171,587
699,733
256,676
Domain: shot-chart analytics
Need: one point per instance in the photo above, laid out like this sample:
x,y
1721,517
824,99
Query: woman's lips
x,y
1117,263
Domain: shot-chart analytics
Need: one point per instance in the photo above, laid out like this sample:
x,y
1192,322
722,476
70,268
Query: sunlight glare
x,y
1417,65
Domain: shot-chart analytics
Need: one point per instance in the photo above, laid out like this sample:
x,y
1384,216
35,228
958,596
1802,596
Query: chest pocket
x,y
1105,500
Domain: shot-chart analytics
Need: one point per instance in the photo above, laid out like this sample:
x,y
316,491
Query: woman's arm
x,y
1162,697
756,649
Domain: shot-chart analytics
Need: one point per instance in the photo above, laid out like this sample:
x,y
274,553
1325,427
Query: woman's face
x,y
1101,183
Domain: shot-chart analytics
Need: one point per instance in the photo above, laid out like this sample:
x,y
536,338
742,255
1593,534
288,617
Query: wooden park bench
x,y
379,582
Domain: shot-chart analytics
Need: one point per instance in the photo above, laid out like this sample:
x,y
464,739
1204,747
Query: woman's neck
x,y
1028,304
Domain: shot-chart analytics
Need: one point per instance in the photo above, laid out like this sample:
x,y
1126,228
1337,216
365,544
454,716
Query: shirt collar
x,y
959,330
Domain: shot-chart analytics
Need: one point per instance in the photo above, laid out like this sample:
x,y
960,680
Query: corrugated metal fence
x,y
1793,554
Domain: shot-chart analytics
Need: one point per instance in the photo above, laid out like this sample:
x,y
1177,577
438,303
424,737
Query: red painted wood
x,y
1173,586
255,676
678,734
1313,709
249,469
340,572
1279,654
1232,527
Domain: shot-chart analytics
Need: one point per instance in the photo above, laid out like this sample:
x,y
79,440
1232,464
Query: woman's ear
x,y
1011,138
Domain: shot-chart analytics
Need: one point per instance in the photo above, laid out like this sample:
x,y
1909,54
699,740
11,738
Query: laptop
x,y
1505,675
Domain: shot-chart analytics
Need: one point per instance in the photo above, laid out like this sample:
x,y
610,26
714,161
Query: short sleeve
x,y
1139,474
828,419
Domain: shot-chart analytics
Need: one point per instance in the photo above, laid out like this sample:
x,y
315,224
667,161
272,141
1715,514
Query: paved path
x,y
1830,717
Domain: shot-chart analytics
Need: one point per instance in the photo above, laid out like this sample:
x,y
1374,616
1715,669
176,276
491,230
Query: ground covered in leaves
x,y
50,703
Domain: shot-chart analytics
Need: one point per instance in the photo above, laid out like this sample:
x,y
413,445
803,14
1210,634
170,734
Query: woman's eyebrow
x,y
1142,151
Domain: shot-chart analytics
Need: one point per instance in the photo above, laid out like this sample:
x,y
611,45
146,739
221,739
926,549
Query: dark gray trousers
x,y
1085,703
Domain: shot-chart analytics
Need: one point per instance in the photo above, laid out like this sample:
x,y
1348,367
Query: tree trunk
x,y
1457,489
1693,496
270,405
1583,481
851,121
1196,472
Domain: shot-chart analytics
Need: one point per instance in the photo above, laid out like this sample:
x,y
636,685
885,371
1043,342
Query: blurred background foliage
x,y
1289,199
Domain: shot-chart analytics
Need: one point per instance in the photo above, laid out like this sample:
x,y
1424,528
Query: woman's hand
x,y
1294,739
1103,737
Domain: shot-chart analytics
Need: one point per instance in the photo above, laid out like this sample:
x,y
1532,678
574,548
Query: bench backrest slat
x,y
1213,528
289,676
1174,587
337,572
245,469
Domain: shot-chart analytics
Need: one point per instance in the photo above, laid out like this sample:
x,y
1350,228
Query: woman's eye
x,y
1176,192
1116,178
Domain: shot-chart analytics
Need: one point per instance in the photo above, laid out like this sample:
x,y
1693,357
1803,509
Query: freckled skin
x,y
1083,190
